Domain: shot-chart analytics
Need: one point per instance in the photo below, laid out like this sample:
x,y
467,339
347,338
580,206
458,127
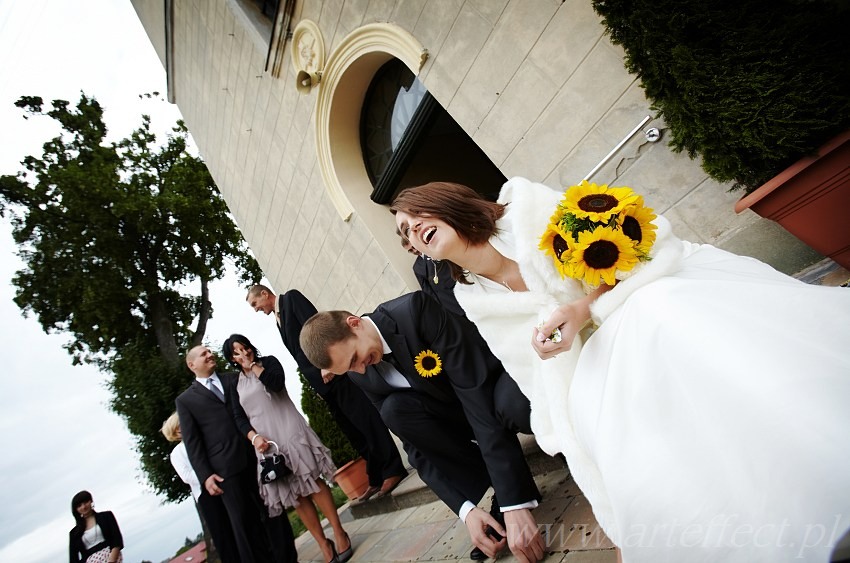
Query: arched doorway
x,y
408,139
346,80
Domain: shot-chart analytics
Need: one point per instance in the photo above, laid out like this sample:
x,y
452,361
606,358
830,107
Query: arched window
x,y
396,110
355,141
407,138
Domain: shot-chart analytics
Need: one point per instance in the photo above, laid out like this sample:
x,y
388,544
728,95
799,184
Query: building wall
x,y
152,16
535,83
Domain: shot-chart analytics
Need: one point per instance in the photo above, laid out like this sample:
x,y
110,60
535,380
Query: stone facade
x,y
535,83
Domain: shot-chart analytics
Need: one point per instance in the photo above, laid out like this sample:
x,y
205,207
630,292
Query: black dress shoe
x,y
477,555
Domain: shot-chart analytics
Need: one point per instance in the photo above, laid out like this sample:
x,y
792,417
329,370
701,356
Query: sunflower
x,y
565,268
636,221
599,254
428,363
559,216
596,203
555,242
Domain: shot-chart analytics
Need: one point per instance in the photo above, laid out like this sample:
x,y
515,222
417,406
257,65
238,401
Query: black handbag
x,y
273,466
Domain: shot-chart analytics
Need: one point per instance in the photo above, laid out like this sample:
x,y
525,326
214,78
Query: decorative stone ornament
x,y
308,55
345,78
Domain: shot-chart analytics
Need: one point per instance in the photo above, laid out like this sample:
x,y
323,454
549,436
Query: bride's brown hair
x,y
462,208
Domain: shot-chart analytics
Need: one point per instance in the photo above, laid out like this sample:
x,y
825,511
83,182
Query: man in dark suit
x,y
222,460
425,369
352,411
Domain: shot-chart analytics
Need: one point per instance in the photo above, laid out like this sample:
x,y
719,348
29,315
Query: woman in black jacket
x,y
96,537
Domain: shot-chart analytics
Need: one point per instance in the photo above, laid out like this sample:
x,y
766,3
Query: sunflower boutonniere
x,y
428,363
597,233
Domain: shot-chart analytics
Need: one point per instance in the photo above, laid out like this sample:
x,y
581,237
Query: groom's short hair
x,y
320,332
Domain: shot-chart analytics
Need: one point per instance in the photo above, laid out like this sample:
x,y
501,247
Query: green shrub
x,y
324,425
749,85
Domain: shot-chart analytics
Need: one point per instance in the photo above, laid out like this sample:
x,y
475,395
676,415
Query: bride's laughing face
x,y
429,235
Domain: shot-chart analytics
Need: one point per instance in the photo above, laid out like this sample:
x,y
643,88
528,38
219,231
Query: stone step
x,y
412,491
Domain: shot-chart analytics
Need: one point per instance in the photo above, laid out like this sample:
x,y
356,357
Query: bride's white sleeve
x,y
666,258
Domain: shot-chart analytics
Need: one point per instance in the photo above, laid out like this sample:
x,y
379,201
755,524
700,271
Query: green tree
x,y
120,241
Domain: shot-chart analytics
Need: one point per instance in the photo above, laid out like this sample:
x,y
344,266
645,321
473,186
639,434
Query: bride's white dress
x,y
707,419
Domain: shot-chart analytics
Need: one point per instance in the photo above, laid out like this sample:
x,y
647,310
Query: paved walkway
x,y
431,532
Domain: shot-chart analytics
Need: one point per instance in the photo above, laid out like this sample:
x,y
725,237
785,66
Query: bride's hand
x,y
569,318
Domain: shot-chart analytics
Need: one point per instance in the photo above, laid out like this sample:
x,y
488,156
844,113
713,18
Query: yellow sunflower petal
x,y
596,203
558,216
596,256
428,363
636,221
556,243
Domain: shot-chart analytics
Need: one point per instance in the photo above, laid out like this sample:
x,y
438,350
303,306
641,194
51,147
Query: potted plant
x,y
811,199
753,88
352,478
351,474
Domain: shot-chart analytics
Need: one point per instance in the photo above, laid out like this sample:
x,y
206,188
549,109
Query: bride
x,y
706,419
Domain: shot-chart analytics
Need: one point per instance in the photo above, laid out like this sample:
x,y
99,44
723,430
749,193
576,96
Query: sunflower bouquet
x,y
599,233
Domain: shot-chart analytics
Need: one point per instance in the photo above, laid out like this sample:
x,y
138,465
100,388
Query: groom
x,y
425,369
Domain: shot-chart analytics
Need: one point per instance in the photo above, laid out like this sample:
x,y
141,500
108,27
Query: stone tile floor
x,y
431,532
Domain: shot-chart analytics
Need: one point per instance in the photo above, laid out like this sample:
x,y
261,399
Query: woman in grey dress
x,y
264,412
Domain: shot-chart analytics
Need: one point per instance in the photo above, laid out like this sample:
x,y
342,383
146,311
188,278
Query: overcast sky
x,y
56,434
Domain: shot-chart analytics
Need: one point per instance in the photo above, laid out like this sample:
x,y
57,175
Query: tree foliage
x,y
751,86
120,241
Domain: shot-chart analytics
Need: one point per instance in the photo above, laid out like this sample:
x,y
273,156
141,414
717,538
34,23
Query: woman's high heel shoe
x,y
335,558
347,553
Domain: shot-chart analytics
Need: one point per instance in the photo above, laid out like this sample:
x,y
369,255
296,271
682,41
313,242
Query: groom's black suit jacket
x,y
414,323
213,442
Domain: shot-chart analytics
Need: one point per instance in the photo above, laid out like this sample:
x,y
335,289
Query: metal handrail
x,y
615,149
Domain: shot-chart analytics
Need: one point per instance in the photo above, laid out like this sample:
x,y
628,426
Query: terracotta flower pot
x,y
811,200
352,478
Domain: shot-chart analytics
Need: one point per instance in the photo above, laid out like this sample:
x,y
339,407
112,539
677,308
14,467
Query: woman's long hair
x,y
460,207
77,500
227,349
